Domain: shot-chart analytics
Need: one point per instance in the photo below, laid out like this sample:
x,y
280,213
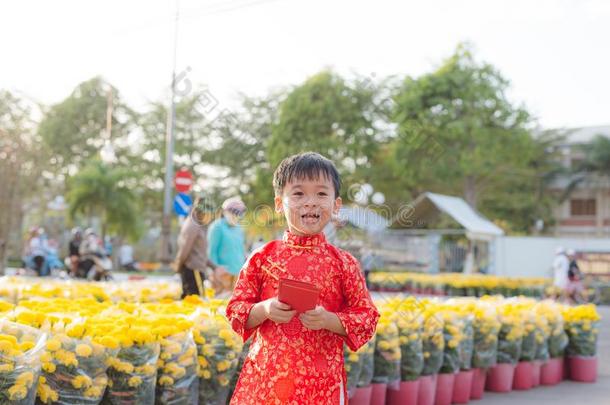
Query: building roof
x,y
363,218
429,205
585,134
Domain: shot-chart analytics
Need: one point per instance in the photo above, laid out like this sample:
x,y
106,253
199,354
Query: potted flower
x,y
551,372
500,377
581,325
486,328
433,346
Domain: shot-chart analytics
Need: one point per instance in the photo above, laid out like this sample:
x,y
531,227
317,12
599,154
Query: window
x,y
582,207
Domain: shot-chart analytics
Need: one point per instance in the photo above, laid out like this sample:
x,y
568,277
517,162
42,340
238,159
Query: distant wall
x,y
533,256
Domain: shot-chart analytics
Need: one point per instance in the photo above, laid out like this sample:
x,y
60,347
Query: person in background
x,y
36,249
575,276
108,244
126,261
561,265
226,247
574,273
191,258
73,250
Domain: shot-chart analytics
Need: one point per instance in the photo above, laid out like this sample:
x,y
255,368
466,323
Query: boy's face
x,y
308,205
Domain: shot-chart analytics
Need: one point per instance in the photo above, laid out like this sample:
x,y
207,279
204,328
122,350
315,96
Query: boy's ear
x,y
338,205
279,205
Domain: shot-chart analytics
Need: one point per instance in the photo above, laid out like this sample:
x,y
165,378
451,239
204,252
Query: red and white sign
x,y
183,181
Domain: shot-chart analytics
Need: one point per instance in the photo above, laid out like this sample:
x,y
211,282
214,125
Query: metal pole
x,y
169,158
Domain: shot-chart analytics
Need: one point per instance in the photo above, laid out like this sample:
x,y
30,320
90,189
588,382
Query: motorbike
x,y
95,266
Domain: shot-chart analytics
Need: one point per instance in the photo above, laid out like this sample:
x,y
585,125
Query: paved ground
x,y
567,392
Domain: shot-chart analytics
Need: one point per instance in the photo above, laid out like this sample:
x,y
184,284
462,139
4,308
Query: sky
x,y
556,54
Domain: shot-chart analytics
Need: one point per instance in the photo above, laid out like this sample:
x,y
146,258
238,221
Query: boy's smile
x,y
308,204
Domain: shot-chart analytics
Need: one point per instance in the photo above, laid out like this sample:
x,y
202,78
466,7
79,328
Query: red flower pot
x,y
522,379
478,383
536,368
427,390
500,378
551,373
583,369
362,396
444,389
405,395
461,387
378,394
565,368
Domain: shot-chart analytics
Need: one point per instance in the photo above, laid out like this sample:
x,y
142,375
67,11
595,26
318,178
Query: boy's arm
x,y
359,317
243,312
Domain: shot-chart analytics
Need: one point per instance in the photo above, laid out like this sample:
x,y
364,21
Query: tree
x,y
74,129
458,133
241,154
595,167
329,115
19,173
101,190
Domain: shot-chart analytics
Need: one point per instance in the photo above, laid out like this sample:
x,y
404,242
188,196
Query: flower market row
x,y
439,352
16,289
95,350
457,284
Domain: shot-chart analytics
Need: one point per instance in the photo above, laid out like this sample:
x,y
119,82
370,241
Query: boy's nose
x,y
310,202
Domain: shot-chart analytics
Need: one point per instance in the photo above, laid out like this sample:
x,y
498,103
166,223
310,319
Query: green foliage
x,y
101,190
328,115
459,134
74,129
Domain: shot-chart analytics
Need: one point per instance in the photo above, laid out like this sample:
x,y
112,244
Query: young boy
x,y
298,358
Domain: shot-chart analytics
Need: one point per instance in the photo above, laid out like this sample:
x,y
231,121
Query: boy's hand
x,y
315,319
277,311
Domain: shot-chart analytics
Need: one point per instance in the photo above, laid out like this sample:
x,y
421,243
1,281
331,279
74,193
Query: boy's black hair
x,y
305,165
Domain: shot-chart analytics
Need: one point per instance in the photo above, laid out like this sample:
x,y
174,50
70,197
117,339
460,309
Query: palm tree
x,y
595,167
101,190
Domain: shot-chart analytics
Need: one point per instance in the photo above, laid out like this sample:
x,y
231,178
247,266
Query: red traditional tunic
x,y
288,363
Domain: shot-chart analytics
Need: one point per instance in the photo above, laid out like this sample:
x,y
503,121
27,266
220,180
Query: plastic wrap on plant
x,y
177,382
433,344
528,342
218,352
410,330
74,369
387,354
368,363
582,338
20,348
543,330
558,340
132,375
466,347
353,368
453,327
240,365
509,339
485,341
557,337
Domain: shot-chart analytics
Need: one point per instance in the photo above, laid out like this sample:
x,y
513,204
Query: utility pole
x,y
169,158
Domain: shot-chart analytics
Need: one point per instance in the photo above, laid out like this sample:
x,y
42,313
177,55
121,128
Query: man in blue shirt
x,y
226,245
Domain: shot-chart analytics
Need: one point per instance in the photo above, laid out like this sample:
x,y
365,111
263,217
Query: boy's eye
x,y
299,193
322,194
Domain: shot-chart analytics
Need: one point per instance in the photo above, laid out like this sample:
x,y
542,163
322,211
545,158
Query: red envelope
x,y
300,295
